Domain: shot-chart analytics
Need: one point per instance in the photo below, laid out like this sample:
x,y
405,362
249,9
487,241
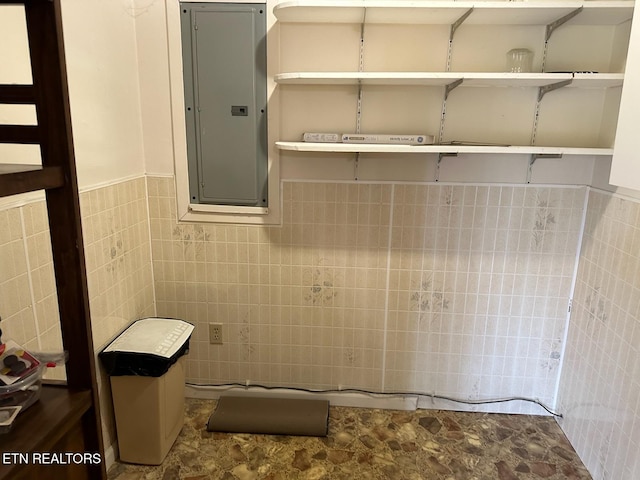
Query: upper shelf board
x,y
447,13
436,79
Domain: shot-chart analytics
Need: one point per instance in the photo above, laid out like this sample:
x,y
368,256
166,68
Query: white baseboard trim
x,y
110,455
340,399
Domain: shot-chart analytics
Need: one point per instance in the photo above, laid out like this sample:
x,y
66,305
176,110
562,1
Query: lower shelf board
x,y
39,428
444,148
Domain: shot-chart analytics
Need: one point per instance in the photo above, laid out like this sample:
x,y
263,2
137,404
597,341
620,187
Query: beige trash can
x,y
149,414
147,367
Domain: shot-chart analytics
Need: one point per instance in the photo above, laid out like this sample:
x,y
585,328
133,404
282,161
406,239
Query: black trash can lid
x,y
147,347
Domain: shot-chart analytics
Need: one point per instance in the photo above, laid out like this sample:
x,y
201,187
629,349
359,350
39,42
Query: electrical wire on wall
x,y
434,396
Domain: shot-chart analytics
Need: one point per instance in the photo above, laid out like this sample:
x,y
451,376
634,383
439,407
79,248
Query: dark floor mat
x,y
276,416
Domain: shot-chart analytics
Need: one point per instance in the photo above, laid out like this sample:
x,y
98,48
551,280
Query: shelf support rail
x,y
454,26
552,27
542,91
441,155
360,69
356,161
361,53
536,156
359,106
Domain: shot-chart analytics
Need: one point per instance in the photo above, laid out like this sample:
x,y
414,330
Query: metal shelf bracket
x,y
447,89
542,91
450,87
536,156
455,25
441,155
561,21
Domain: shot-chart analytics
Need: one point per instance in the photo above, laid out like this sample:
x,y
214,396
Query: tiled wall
x,y
455,290
118,257
28,302
115,225
600,388
26,281
480,279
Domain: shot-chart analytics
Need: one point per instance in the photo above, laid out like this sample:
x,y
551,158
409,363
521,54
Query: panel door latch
x,y
239,110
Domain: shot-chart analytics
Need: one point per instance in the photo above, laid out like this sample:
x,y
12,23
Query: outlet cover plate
x,y
215,333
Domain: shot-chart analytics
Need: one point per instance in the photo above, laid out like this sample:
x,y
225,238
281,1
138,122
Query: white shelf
x,y
383,148
581,128
597,80
435,79
438,12
367,78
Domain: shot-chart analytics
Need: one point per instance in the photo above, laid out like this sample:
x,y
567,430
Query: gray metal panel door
x,y
228,102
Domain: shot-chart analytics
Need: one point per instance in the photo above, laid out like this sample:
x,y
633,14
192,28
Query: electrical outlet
x,y
215,333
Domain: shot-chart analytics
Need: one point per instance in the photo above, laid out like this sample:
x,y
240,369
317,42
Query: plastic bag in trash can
x,y
148,347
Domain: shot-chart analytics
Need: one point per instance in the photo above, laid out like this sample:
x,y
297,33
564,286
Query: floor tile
x,y
372,444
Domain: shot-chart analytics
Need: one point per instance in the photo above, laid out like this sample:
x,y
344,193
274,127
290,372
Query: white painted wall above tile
x,y
102,69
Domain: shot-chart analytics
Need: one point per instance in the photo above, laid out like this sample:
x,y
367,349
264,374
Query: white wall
x,y
119,79
153,70
155,81
15,69
102,69
303,48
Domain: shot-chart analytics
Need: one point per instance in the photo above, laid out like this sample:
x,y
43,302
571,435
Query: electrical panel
x,y
224,68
